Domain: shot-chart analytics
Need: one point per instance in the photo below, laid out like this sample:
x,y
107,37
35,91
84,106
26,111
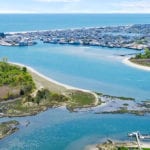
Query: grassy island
x,y
8,128
142,59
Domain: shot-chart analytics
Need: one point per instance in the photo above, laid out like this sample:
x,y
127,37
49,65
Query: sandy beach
x,y
129,63
50,83
49,79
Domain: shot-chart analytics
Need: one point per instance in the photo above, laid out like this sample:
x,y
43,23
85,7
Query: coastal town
x,y
132,36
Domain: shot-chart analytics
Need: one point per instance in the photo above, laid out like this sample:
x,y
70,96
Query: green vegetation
x,y
115,97
81,99
110,145
99,94
14,81
15,76
7,128
47,96
142,59
146,55
44,99
18,88
125,104
124,148
31,105
119,97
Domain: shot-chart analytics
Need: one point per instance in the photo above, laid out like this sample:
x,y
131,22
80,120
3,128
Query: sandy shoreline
x,y
129,63
68,87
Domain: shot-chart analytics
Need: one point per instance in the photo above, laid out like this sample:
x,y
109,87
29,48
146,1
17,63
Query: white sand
x,y
51,80
129,63
145,145
91,147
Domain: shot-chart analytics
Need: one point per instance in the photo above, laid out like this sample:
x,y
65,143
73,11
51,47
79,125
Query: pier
x,y
139,137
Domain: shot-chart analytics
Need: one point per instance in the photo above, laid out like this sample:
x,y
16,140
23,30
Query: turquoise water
x,y
85,67
58,129
95,68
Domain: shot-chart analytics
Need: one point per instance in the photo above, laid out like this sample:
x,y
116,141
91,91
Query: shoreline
x,y
7,128
73,97
106,103
109,144
101,103
127,62
67,87
61,29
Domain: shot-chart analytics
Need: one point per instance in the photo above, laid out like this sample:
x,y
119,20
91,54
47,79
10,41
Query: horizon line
x,y
73,13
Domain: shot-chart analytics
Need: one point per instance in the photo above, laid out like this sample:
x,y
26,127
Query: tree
x,y
24,69
37,100
22,92
147,53
29,98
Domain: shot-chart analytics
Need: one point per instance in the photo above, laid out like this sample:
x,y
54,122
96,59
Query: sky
x,y
74,6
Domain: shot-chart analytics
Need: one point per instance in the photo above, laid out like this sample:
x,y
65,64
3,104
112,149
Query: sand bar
x,y
129,63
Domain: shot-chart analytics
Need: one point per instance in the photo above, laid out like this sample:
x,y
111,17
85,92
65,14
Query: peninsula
x,y
24,92
27,92
142,59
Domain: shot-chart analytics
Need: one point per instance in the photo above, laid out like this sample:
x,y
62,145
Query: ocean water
x,y
15,22
95,68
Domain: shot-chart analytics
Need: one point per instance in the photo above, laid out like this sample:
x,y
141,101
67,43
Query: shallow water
x,y
58,129
94,68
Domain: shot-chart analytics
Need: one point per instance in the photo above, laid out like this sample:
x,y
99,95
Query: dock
x,y
139,137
